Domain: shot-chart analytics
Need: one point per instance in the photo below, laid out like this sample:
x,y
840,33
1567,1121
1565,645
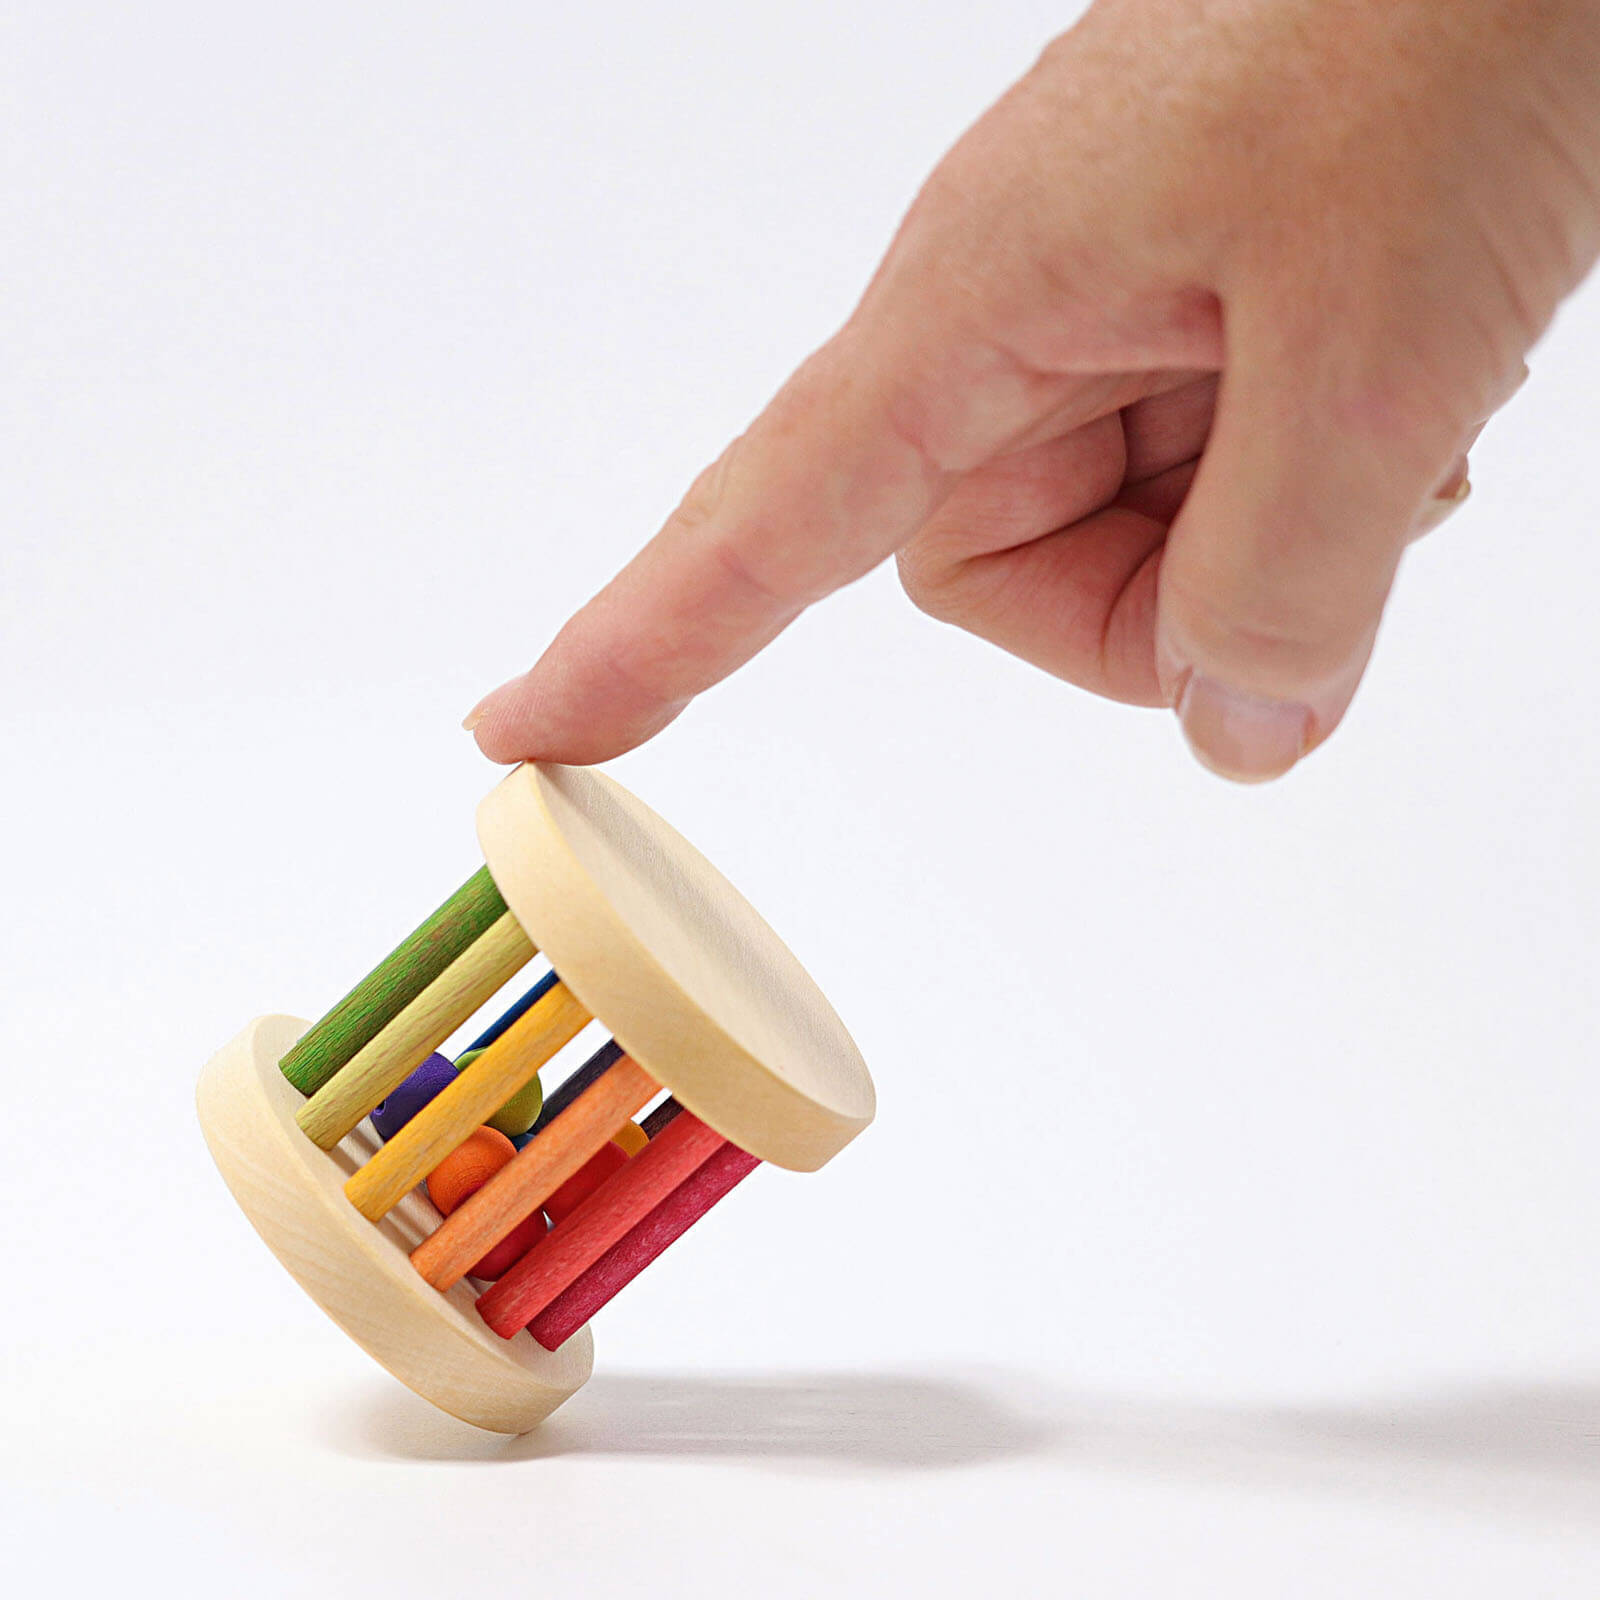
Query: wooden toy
x,y
583,1183
395,1110
468,1167
722,1048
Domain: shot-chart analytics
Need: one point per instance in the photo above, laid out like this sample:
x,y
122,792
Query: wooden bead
x,y
511,1249
641,1244
461,1175
541,1166
385,1062
583,1183
625,1199
391,1115
390,987
468,1167
518,1115
509,1063
631,1138
521,1111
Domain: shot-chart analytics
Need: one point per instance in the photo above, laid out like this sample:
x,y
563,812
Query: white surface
x,y
340,355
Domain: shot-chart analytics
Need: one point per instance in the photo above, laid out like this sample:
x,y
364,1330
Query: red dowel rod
x,y
626,1198
637,1248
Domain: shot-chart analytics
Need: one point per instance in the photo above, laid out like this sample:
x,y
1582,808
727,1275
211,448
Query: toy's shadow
x,y
1516,1452
870,1420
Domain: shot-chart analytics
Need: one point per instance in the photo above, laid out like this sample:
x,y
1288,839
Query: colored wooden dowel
x,y
455,1111
386,1061
604,1163
390,987
623,1201
568,1090
511,1249
512,1013
465,1171
641,1244
539,1168
660,1117
476,1095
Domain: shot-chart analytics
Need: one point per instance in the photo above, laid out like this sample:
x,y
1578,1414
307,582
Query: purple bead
x,y
436,1073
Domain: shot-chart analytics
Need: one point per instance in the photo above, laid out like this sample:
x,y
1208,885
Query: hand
x,y
1175,352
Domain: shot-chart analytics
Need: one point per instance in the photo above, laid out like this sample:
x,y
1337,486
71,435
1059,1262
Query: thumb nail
x,y
1241,736
1450,498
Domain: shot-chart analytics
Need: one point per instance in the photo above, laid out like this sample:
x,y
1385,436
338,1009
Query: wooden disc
x,y
660,947
360,1272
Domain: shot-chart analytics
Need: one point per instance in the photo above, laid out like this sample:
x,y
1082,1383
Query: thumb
x,y
1277,569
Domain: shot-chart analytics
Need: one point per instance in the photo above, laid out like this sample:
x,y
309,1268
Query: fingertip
x,y
488,720
1260,733
1244,738
519,721
508,726
493,724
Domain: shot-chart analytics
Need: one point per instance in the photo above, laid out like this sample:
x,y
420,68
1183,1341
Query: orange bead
x,y
631,1137
583,1183
468,1167
511,1249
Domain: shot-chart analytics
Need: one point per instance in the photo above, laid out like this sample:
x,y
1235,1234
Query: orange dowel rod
x,y
627,1197
540,1167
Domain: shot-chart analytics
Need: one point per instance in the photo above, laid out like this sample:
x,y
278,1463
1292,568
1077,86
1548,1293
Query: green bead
x,y
521,1111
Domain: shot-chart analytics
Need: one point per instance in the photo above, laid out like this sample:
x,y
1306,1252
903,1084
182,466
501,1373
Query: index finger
x,y
824,485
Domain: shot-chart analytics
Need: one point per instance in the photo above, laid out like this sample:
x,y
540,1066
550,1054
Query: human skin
x,y
1175,352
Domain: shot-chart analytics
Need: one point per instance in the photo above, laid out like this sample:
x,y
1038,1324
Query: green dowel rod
x,y
388,989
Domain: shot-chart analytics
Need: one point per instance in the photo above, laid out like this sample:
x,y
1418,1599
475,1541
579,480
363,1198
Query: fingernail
x,y
488,705
1452,495
1241,736
1456,483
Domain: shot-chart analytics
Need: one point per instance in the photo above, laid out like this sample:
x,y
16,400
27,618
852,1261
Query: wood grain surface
x,y
394,983
359,1272
620,1203
387,1060
539,1169
471,1100
690,981
641,1244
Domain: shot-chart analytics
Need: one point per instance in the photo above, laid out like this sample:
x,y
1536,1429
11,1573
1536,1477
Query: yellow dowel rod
x,y
383,1064
475,1096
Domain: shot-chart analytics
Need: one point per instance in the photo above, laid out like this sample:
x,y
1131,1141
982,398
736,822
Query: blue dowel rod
x,y
499,1026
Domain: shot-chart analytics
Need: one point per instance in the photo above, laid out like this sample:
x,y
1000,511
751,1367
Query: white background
x,y
1229,1223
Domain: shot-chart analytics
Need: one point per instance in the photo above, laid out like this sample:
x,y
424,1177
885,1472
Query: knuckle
x,y
700,505
1273,645
1407,409
933,588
